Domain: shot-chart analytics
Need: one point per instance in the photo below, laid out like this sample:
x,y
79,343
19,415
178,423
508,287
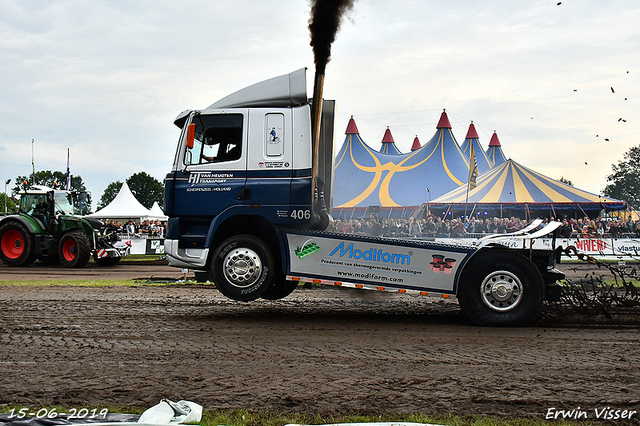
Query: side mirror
x,y
191,134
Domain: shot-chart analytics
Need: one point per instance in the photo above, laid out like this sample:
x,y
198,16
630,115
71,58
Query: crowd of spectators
x,y
599,227
146,228
473,227
432,226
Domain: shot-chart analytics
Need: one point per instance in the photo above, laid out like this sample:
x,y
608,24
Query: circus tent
x,y
388,144
472,139
494,152
368,180
512,187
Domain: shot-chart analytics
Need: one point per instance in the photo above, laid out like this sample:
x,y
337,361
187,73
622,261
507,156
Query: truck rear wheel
x,y
243,267
500,288
74,249
280,289
16,244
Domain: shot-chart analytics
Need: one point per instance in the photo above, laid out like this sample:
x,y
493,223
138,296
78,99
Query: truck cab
x,y
242,165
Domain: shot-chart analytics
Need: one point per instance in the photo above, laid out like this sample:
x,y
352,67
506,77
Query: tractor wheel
x,y
500,288
74,249
106,261
16,244
243,267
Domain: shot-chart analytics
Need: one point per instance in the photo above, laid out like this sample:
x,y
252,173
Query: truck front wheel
x,y
16,245
500,288
74,249
243,267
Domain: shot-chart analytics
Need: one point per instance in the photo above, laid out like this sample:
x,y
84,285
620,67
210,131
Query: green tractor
x,y
48,228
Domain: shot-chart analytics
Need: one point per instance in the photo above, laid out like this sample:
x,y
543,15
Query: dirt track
x,y
324,350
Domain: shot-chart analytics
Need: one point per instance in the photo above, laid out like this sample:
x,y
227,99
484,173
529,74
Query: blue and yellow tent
x,y
511,187
470,140
395,184
494,152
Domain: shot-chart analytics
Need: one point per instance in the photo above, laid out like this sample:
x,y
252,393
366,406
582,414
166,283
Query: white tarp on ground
x,y
124,206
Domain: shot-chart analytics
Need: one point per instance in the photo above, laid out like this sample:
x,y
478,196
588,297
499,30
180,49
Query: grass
x,y
266,418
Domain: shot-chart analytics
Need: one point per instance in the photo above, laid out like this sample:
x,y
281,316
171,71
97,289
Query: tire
x,y
280,289
74,249
106,261
16,244
243,267
500,288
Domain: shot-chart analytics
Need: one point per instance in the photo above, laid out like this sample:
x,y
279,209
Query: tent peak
x,y
352,129
471,133
494,140
416,144
387,136
444,121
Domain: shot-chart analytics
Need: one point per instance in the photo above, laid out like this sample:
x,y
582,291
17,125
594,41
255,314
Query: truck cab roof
x,y
286,90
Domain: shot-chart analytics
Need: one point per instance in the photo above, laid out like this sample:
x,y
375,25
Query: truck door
x,y
270,163
214,173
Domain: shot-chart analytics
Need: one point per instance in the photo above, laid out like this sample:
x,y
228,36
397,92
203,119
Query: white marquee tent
x,y
156,213
124,206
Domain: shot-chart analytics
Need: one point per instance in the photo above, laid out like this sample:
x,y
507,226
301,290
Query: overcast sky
x,y
107,78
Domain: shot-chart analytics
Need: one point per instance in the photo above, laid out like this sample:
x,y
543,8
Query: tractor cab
x,y
39,204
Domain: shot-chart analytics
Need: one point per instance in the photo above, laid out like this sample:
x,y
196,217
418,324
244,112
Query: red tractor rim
x,y
13,244
69,250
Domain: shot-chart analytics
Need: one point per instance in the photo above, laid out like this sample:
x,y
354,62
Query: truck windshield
x,y
218,138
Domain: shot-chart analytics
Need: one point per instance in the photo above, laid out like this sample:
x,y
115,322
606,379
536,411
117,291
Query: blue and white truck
x,y
246,206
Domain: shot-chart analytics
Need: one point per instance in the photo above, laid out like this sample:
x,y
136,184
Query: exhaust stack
x,y
322,148
316,119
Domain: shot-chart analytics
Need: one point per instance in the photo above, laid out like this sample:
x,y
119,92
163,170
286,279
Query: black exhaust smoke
x,y
326,16
324,24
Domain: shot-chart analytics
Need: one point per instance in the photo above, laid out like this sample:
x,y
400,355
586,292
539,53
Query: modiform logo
x,y
376,255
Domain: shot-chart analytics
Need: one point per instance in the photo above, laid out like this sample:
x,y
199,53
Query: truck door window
x,y
218,138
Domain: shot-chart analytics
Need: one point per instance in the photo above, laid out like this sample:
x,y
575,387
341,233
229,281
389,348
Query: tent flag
x,y
473,170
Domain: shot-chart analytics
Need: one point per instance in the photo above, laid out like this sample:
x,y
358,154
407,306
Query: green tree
x,y
11,204
146,189
625,179
109,194
565,181
55,180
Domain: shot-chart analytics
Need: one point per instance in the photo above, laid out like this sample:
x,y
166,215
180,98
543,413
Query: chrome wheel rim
x,y
501,291
242,267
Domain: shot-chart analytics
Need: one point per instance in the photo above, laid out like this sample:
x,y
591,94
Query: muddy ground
x,y
321,350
